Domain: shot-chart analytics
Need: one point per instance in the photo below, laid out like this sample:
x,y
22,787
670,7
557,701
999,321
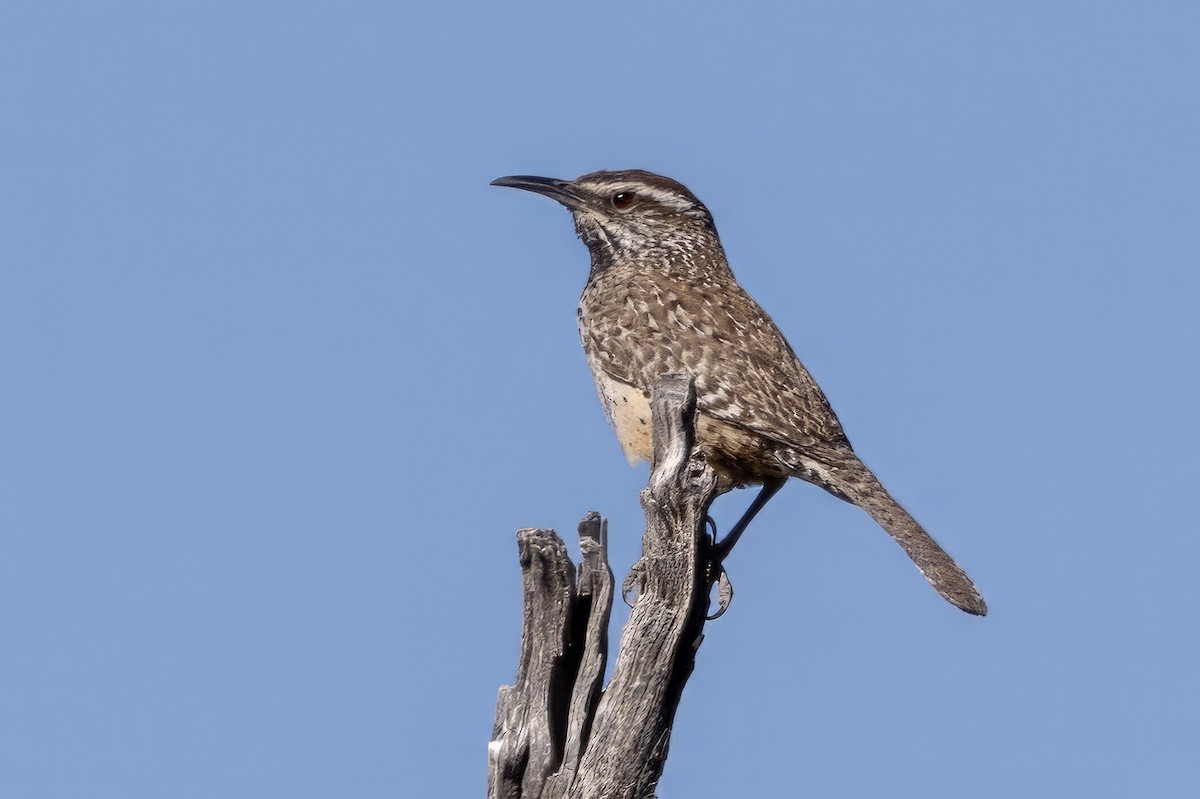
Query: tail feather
x,y
856,483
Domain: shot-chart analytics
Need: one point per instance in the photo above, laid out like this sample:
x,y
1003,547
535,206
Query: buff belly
x,y
628,410
738,457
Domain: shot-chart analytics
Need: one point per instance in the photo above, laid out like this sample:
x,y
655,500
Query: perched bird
x,y
661,299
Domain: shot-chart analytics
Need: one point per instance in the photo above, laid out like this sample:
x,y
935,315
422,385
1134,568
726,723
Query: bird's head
x,y
629,210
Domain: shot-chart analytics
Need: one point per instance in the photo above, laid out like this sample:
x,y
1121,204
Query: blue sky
x,y
282,375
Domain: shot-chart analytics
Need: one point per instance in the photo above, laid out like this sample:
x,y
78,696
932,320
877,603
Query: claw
x,y
724,593
632,583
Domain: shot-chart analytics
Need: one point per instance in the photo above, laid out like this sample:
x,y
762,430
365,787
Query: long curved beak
x,y
561,190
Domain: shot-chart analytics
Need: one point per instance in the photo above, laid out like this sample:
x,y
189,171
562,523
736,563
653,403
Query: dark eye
x,y
623,200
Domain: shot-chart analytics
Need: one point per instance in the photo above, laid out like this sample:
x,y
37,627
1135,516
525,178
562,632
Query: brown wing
x,y
747,375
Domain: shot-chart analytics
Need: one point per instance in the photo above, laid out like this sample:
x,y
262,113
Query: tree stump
x,y
557,734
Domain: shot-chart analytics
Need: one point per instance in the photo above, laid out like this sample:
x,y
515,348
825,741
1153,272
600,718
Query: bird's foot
x,y
714,568
714,574
632,584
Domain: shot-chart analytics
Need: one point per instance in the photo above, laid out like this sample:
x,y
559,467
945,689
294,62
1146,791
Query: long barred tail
x,y
856,483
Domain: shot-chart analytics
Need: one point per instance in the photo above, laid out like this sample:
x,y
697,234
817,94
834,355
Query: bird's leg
x,y
721,549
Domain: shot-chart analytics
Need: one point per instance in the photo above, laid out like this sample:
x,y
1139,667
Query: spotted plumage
x,y
661,299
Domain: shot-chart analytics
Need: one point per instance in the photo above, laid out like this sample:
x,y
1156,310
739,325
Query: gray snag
x,y
557,735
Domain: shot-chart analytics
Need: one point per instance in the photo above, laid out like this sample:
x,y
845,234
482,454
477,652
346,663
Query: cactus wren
x,y
661,299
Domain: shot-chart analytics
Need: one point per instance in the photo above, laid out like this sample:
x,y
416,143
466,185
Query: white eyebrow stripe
x,y
663,196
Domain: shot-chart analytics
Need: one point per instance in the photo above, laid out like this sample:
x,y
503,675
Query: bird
x,y
660,298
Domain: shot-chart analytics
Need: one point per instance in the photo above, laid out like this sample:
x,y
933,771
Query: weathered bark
x,y
556,735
